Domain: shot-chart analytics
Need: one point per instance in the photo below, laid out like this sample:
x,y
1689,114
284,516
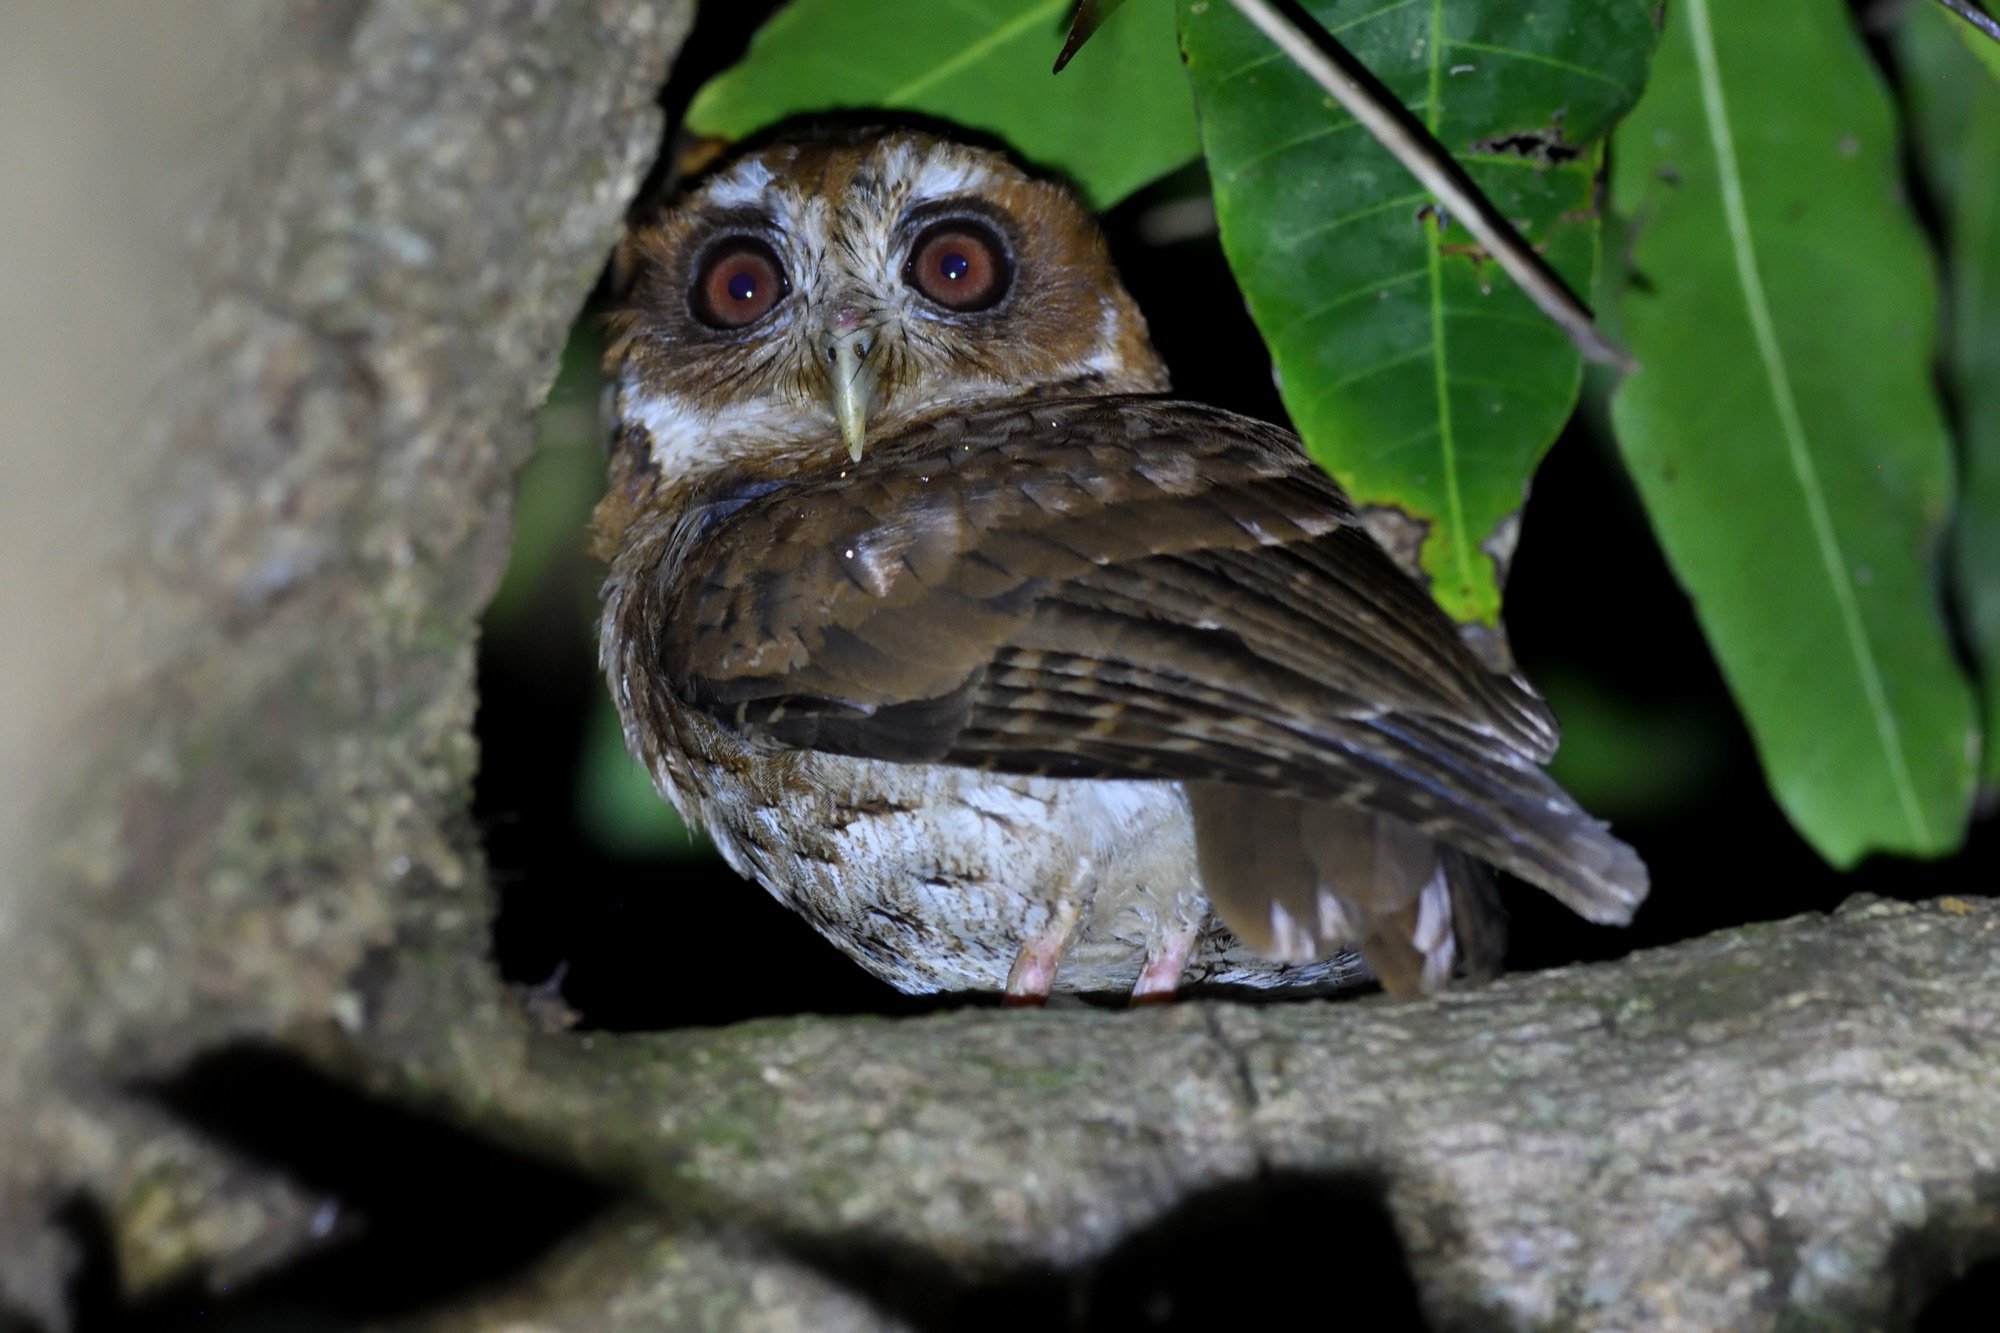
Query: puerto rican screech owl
x,y
1006,668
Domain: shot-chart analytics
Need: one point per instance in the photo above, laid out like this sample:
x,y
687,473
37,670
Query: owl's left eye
x,y
960,264
739,282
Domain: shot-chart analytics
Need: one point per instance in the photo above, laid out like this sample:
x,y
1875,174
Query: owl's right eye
x,y
739,281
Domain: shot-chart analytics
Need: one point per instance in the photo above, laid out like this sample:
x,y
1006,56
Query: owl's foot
x,y
1033,974
1166,958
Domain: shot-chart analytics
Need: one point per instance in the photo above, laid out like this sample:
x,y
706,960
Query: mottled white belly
x,y
933,877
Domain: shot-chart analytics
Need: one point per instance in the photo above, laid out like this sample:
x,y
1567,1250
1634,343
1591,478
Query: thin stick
x,y
1970,11
1431,163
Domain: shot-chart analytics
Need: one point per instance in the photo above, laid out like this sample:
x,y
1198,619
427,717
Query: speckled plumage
x,y
1059,684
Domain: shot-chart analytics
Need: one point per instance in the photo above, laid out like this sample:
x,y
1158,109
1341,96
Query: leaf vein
x,y
1266,154
1454,516
1230,76
1715,111
1537,58
1333,303
1370,16
976,51
1334,224
1325,391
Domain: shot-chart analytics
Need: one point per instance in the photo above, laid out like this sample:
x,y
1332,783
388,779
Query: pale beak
x,y
852,386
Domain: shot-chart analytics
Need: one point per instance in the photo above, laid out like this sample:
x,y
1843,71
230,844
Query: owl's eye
x,y
739,282
960,264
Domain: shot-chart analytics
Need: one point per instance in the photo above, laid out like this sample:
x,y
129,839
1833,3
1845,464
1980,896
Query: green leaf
x,y
1955,118
1782,429
616,805
1629,757
1419,375
1117,117
555,494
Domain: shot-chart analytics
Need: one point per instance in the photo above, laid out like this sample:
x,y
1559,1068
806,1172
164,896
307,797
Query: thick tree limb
x,y
405,208
1793,1120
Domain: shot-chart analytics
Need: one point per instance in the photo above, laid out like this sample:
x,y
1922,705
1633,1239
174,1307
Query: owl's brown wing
x,y
1116,587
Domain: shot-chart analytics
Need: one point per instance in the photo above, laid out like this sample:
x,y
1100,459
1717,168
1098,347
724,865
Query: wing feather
x,y
1117,587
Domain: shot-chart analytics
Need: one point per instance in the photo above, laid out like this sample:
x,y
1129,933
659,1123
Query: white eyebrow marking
x,y
927,172
741,186
936,179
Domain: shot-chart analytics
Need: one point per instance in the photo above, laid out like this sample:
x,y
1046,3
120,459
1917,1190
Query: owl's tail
x,y
1298,879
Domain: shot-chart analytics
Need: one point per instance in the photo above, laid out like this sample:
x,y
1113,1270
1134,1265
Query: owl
x,y
1008,670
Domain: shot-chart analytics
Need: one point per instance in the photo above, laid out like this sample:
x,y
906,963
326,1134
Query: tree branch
x,y
1790,1118
1970,11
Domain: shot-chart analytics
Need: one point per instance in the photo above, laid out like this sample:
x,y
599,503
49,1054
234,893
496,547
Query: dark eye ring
x,y
739,281
960,264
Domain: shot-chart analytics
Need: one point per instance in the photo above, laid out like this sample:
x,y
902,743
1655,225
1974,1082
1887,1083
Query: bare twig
x,y
1335,69
1089,14
1970,11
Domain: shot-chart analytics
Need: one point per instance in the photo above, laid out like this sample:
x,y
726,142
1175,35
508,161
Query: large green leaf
x,y
1418,374
1117,117
616,805
1955,119
1782,429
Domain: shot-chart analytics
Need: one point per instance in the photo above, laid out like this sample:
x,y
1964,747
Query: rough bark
x,y
404,208
1784,1122
265,842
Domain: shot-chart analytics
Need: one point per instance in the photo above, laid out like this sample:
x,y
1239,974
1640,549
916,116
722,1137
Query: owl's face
x,y
823,293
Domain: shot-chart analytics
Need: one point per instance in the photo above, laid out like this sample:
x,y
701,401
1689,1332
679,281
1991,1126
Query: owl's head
x,y
823,292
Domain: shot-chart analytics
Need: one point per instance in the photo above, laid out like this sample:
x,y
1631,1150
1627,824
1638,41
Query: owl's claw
x,y
1166,959
1033,974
